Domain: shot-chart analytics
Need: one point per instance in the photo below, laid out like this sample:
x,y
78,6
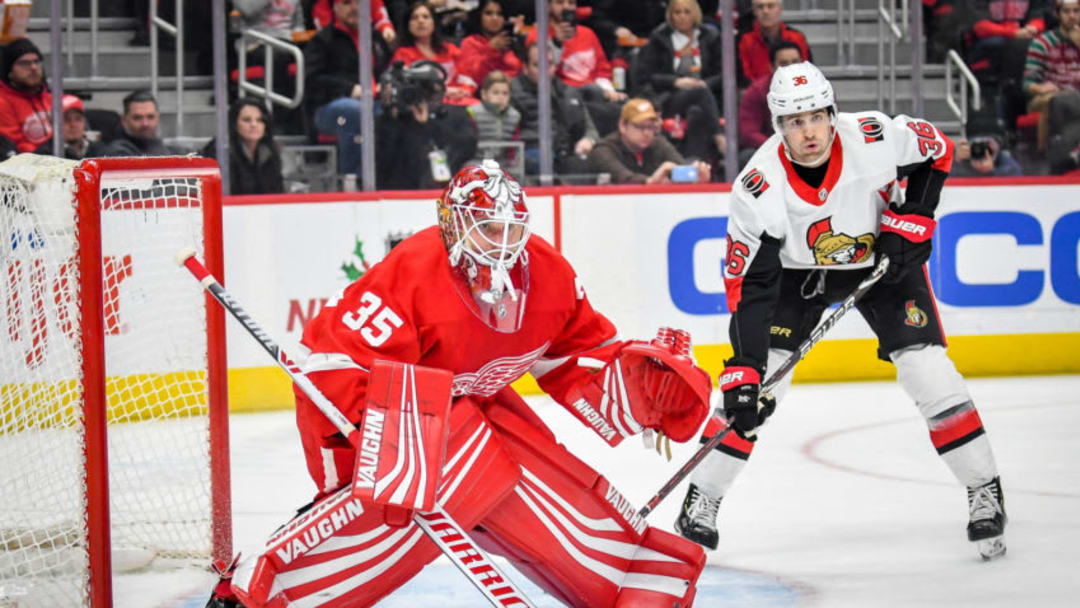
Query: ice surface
x,y
844,503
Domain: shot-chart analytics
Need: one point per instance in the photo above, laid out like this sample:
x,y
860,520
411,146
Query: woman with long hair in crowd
x,y
680,71
420,39
254,159
491,45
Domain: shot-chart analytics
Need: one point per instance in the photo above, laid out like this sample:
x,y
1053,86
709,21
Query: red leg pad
x,y
574,535
342,548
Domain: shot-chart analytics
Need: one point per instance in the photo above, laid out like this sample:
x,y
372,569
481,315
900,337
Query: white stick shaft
x,y
440,527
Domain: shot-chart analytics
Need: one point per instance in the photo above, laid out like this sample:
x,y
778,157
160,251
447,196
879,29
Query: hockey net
x,y
105,340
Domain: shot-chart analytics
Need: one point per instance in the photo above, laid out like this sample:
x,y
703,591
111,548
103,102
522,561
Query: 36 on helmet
x,y
797,88
485,224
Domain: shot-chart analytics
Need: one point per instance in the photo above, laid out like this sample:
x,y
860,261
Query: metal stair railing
x,y
267,92
845,12
897,31
952,58
177,31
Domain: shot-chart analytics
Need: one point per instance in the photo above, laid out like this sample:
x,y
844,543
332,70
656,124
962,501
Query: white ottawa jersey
x,y
834,225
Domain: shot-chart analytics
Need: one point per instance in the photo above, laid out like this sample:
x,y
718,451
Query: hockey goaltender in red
x,y
461,310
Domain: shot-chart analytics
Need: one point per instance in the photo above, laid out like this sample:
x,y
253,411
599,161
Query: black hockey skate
x,y
986,525
697,519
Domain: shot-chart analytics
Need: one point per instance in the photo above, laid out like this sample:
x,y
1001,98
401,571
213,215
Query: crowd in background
x,y
636,88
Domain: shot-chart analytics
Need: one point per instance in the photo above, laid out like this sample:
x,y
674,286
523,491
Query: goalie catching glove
x,y
655,382
906,240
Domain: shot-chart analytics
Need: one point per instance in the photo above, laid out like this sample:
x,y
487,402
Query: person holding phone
x,y
635,155
491,45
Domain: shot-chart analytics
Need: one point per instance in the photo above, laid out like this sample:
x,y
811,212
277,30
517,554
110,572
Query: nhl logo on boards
x,y
915,317
754,183
872,129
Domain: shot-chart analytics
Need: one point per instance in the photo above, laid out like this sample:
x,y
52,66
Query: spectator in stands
x,y
579,57
983,152
422,40
679,70
755,120
254,159
621,22
322,14
25,101
573,133
1002,31
139,128
490,47
493,117
77,145
420,144
1052,74
753,46
635,155
331,87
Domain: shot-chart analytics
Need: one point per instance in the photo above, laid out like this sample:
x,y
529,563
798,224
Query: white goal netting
x,y
155,362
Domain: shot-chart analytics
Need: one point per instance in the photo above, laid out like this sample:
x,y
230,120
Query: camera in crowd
x,y
403,87
980,147
569,16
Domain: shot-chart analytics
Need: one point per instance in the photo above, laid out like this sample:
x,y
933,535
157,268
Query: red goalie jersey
x,y
409,308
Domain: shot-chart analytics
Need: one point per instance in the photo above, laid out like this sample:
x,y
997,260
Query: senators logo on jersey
x,y
754,183
872,129
915,315
837,248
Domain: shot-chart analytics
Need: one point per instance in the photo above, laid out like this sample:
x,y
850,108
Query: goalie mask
x,y
485,225
798,88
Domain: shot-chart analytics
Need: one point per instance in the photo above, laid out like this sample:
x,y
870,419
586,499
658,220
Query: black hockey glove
x,y
905,240
741,383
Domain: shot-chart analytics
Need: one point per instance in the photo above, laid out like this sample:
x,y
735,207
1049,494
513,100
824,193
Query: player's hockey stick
x,y
443,530
773,380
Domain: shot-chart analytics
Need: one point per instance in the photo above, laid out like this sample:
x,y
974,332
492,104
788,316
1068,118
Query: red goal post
x,y
113,402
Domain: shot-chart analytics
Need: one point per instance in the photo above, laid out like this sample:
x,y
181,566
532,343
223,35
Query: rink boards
x,y
1004,269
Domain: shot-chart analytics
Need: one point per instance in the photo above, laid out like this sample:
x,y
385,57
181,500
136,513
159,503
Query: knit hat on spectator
x,y
13,51
637,111
72,102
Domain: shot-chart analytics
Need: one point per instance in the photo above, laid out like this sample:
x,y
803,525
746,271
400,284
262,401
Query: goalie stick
x,y
443,530
774,379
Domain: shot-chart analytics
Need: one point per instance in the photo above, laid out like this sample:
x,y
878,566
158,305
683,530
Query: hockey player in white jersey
x,y
810,211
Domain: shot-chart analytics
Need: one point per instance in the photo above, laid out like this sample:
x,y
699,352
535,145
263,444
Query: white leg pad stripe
x,y
321,597
655,582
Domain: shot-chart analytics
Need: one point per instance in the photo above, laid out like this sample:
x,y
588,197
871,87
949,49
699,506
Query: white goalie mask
x,y
485,225
798,88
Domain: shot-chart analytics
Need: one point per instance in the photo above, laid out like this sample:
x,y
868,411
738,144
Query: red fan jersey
x,y
407,308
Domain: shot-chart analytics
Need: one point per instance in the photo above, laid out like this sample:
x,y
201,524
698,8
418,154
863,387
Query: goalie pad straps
x,y
403,435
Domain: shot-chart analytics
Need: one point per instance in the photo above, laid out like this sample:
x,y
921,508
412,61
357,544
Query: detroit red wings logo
x,y
494,375
800,80
872,129
754,183
837,248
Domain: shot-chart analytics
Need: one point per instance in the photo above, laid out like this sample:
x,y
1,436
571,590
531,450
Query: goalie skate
x,y
697,519
986,525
